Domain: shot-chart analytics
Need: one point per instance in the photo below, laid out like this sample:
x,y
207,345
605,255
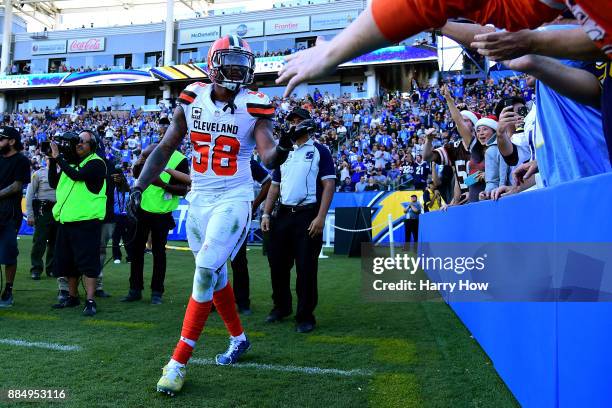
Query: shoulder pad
x,y
190,93
259,105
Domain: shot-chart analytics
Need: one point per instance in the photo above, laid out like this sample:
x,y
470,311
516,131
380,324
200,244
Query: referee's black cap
x,y
300,113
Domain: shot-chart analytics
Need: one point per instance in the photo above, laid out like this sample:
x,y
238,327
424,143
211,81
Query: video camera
x,y
67,143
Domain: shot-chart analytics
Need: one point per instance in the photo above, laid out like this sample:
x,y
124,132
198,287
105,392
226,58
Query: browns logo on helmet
x,y
231,62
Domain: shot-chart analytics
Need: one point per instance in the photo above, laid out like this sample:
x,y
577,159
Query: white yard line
x,y
289,368
36,344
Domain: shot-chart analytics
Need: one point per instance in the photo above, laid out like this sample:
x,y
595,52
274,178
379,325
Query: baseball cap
x,y
10,132
298,112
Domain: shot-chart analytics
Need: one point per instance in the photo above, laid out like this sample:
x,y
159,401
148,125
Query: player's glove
x,y
285,142
133,204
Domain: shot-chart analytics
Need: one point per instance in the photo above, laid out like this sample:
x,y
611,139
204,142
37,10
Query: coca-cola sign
x,y
86,44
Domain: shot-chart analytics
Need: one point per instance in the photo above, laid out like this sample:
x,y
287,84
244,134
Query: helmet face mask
x,y
231,66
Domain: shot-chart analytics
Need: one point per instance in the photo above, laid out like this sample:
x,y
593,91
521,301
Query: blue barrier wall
x,y
549,354
382,203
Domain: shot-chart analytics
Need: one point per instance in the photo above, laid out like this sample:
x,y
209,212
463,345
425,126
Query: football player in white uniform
x,y
224,122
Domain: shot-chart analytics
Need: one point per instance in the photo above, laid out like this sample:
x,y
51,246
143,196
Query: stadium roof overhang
x,y
48,12
193,72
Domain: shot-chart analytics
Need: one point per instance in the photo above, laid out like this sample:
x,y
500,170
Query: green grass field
x,y
403,354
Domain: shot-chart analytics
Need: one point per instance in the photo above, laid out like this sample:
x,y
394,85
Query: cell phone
x,y
45,148
472,179
522,111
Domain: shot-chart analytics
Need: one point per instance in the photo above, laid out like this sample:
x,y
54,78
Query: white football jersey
x,y
222,142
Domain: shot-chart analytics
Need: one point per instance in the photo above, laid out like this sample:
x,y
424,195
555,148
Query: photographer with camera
x,y
40,199
154,217
122,225
305,183
114,181
79,211
14,174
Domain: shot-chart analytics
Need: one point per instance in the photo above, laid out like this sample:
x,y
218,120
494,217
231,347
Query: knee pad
x,y
204,282
209,255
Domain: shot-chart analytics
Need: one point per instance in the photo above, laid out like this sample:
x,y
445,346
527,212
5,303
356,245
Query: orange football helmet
x,y
231,62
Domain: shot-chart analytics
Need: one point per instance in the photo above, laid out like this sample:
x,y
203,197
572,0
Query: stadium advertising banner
x,y
268,64
198,35
31,81
49,47
245,30
287,25
93,44
394,55
332,20
123,76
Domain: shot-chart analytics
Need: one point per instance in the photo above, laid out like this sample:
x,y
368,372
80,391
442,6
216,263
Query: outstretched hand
x,y
524,171
305,65
503,45
508,120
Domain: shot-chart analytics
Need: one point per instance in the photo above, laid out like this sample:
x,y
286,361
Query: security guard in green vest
x,y
79,209
155,217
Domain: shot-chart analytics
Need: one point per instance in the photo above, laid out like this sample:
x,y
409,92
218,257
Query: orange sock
x,y
193,324
226,307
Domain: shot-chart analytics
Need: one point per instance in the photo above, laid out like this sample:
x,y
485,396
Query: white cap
x,y
487,122
470,115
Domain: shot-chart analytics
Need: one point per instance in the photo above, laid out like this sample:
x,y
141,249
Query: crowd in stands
x,y
65,68
380,146
124,134
391,143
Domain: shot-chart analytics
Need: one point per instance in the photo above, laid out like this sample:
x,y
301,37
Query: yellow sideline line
x,y
395,390
127,325
214,331
26,316
178,248
387,350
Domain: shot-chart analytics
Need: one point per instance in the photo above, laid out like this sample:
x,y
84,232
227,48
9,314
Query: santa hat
x,y
470,115
489,121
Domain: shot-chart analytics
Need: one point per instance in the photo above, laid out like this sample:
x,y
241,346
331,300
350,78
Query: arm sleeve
x,y
188,95
491,169
276,176
30,193
444,155
260,175
326,164
399,19
513,158
259,105
504,171
53,174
